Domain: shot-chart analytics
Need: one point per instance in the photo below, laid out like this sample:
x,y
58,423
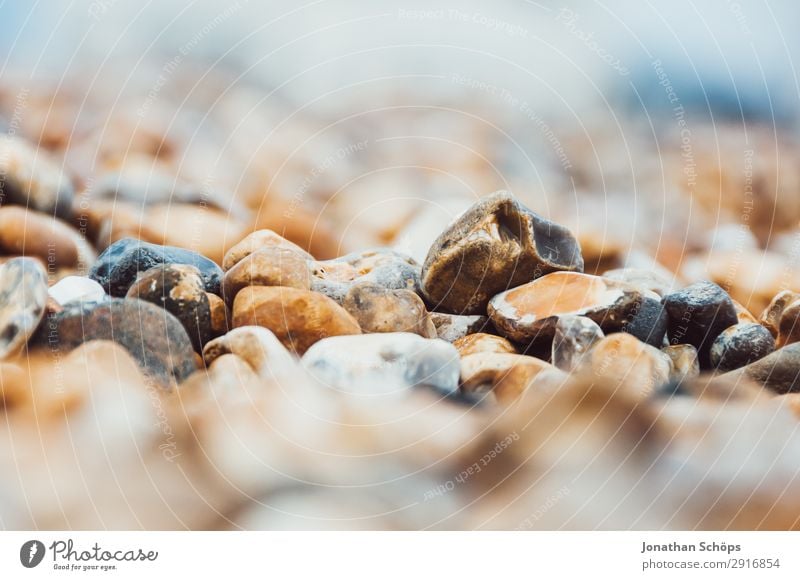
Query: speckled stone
x,y
574,337
740,345
451,327
299,318
384,267
76,289
30,178
154,337
384,363
178,289
531,311
118,267
496,244
259,347
269,266
482,342
23,295
378,309
697,315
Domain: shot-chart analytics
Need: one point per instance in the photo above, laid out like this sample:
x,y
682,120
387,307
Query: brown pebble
x,y
630,364
451,327
482,342
257,346
378,309
685,362
779,371
771,316
483,371
268,266
220,315
259,240
23,298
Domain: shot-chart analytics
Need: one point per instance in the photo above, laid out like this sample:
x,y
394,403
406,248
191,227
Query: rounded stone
x,y
629,364
269,266
258,346
739,345
685,362
483,371
377,309
299,318
451,327
178,289
23,296
574,338
482,342
76,289
259,240
495,245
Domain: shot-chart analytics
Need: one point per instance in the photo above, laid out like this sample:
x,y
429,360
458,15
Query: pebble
x,y
697,315
220,315
495,245
26,232
771,317
259,240
378,309
298,225
481,372
118,267
299,318
451,327
268,266
257,346
779,371
482,342
574,337
23,296
384,363
644,280
155,338
630,364
386,268
73,289
29,177
739,345
178,289
743,314
531,311
685,362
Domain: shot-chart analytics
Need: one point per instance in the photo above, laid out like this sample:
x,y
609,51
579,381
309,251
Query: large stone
x,y
23,295
739,345
779,371
495,245
269,266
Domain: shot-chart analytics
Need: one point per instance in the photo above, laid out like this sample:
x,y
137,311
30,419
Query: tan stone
x,y
268,266
482,342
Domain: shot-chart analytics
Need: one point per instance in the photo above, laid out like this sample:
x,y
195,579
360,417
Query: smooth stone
x,y
256,345
531,311
772,314
629,364
740,345
76,289
269,266
29,233
743,314
178,289
153,336
496,244
29,177
384,267
121,263
481,372
259,240
220,315
779,371
528,378
724,388
649,323
697,315
644,280
685,362
23,296
574,337
301,226
299,318
377,309
451,327
384,363
482,342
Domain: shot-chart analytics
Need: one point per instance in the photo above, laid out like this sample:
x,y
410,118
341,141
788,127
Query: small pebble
x,y
649,323
531,311
481,372
30,178
685,362
258,346
118,267
779,371
739,345
574,337
269,266
451,327
482,342
259,240
495,245
154,337
384,363
23,295
377,309
771,317
630,364
697,315
220,315
743,314
76,289
178,289
299,318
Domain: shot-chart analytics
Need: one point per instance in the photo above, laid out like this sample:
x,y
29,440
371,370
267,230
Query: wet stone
x,y
649,323
220,315
495,245
574,337
178,289
23,295
740,345
779,371
299,318
30,178
76,289
155,338
482,342
629,364
697,315
483,371
685,363
384,363
451,327
531,312
378,309
118,267
384,267
259,240
269,266
772,315
257,346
